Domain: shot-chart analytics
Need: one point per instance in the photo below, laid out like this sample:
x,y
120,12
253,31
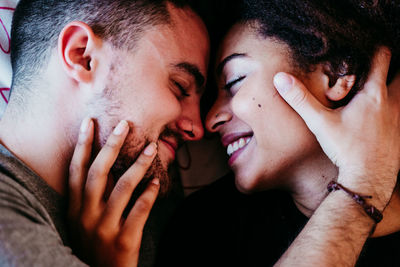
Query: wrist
x,y
380,188
361,200
346,212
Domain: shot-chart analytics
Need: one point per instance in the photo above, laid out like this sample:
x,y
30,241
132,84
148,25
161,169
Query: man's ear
x,y
341,88
76,44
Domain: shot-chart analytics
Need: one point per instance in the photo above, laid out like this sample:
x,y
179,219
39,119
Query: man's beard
x,y
130,151
156,170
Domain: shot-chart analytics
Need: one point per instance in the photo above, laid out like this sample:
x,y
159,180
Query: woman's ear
x,y
76,44
341,88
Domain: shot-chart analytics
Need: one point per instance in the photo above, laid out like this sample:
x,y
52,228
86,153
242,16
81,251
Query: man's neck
x,y
41,144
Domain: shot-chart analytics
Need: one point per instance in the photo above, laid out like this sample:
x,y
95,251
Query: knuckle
x,y
74,169
143,161
125,243
379,99
142,206
86,225
95,172
124,185
299,98
112,144
385,51
83,141
102,234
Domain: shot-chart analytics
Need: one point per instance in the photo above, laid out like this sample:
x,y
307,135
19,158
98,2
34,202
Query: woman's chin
x,y
247,184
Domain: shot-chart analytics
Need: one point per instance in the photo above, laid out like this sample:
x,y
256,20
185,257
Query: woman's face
x,y
268,143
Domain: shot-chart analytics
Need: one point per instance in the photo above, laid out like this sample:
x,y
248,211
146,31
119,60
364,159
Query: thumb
x,y
300,99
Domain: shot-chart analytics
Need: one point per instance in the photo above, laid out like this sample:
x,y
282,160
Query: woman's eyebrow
x,y
222,64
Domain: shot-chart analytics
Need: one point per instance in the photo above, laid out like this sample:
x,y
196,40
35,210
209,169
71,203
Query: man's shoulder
x,y
16,201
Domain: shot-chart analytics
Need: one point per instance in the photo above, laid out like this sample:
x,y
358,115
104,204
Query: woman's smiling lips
x,y
235,143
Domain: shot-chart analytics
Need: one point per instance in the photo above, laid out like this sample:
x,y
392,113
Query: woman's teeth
x,y
238,144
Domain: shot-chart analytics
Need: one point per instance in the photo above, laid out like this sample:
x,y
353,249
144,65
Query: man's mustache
x,y
168,132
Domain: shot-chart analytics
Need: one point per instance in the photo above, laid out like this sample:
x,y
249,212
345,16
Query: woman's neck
x,y
309,184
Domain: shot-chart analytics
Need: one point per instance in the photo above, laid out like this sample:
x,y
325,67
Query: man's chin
x,y
156,170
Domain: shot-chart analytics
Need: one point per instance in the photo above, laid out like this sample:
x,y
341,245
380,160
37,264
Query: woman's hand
x,y
361,138
102,235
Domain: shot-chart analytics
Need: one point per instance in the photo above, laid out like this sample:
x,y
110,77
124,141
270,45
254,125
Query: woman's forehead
x,y
245,38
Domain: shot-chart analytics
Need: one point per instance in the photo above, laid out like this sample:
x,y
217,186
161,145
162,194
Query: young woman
x,y
329,46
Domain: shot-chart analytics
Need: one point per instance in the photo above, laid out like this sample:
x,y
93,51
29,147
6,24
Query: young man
x,y
139,62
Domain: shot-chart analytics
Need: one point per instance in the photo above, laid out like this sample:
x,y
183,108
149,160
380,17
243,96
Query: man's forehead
x,y
190,32
161,44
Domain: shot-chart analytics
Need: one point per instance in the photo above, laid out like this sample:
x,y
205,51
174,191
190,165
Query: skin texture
x,y
99,224
87,77
329,239
303,153
102,235
154,89
295,160
171,113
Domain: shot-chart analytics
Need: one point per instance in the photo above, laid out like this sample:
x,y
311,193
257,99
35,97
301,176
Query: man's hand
x,y
103,236
362,138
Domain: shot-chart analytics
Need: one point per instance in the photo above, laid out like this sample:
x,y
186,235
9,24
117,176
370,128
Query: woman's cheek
x,y
244,104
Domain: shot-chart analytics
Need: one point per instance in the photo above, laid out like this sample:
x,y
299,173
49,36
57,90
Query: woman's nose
x,y
217,116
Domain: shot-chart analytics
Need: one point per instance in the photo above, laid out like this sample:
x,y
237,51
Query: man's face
x,y
157,89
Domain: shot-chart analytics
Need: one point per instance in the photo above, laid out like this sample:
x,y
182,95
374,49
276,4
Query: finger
x,y
131,233
79,166
379,70
300,99
125,186
98,172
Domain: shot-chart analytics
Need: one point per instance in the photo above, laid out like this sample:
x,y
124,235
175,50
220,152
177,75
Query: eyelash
x,y
229,85
181,89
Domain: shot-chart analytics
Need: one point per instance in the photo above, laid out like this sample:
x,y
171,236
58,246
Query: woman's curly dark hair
x,y
343,34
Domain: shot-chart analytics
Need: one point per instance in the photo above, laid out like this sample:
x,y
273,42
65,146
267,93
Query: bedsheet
x,y
6,11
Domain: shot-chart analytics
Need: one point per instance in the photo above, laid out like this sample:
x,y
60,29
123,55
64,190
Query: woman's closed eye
x,y
229,86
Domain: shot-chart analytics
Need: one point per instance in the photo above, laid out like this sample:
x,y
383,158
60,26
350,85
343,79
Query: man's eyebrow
x,y
194,71
222,64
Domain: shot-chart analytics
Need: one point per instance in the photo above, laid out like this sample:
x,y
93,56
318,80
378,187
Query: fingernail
x,y
150,149
283,82
120,127
85,125
155,181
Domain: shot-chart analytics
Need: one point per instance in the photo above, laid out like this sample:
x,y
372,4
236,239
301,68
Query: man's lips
x,y
171,145
171,142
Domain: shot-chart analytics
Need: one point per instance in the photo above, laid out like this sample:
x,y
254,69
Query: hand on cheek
x,y
362,138
103,236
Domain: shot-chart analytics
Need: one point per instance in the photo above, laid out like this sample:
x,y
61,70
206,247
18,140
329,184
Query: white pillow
x,y
6,11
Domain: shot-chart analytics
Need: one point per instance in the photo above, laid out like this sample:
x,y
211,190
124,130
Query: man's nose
x,y
191,128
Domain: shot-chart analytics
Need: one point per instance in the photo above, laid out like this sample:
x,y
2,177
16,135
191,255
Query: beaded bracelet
x,y
372,212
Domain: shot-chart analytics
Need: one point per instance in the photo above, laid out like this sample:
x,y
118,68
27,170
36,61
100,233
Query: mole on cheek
x,y
259,105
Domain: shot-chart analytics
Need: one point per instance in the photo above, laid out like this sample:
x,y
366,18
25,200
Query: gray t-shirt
x,y
33,229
